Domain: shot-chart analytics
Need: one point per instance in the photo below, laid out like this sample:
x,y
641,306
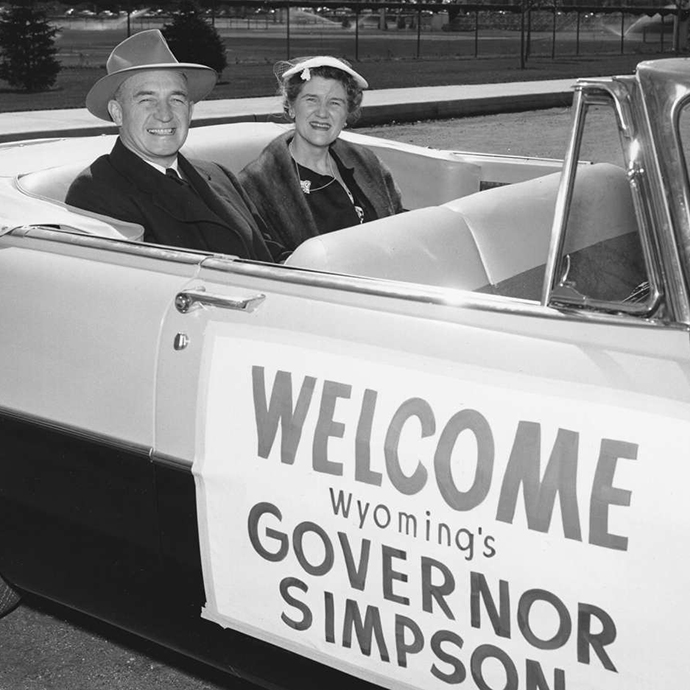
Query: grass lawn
x,y
386,61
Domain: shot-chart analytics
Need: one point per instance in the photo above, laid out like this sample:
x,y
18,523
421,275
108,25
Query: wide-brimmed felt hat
x,y
146,50
324,61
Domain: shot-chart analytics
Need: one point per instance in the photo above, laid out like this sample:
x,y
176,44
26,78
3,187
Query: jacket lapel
x,y
173,199
223,199
201,182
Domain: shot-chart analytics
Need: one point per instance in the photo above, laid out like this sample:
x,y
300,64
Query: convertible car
x,y
446,448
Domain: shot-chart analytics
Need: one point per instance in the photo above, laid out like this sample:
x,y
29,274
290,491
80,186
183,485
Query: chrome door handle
x,y
188,300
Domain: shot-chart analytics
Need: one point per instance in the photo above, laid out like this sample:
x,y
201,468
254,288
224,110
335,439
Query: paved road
x,y
537,133
47,648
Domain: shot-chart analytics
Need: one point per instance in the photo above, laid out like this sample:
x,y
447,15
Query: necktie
x,y
172,173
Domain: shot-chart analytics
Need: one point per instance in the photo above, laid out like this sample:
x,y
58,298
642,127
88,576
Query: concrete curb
x,y
381,107
466,107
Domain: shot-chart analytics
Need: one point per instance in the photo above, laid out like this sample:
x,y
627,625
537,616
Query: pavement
x,y
380,107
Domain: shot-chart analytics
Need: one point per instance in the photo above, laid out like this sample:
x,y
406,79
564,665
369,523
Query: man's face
x,y
153,112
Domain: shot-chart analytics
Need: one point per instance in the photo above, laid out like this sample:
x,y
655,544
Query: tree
x,y
27,48
192,39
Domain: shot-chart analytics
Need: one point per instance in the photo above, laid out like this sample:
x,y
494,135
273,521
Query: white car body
x,y
446,448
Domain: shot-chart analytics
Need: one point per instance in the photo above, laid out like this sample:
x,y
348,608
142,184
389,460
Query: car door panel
x,y
78,496
543,438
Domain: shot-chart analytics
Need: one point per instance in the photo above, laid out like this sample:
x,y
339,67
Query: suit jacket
x,y
272,183
213,214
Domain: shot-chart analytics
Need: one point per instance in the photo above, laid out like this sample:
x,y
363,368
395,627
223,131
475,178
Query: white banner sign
x,y
420,530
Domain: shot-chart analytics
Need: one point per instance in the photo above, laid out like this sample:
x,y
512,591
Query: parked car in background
x,y
446,448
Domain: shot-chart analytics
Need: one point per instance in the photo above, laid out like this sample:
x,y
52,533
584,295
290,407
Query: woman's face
x,y
320,111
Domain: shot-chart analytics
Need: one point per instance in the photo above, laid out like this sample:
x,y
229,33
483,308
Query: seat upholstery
x,y
234,145
51,185
480,240
429,181
443,179
431,245
512,224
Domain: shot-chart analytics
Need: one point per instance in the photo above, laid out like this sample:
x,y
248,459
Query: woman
x,y
308,181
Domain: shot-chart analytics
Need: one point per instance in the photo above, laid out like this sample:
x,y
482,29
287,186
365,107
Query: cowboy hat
x,y
324,61
146,50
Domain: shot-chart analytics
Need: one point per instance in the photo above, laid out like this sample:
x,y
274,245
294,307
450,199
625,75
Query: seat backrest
x,y
444,178
429,181
480,240
232,145
431,246
51,185
512,224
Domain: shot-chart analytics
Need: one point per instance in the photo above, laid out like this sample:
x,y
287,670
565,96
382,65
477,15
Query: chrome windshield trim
x,y
76,432
663,93
563,197
634,132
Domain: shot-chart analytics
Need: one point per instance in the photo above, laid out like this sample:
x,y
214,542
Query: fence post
x,y
357,34
680,29
476,33
522,35
553,32
419,32
622,31
577,34
287,27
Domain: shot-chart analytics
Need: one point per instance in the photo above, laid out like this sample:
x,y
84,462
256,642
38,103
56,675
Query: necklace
x,y
306,184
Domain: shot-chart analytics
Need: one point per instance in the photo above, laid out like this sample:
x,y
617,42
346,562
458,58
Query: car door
x,y
80,324
424,487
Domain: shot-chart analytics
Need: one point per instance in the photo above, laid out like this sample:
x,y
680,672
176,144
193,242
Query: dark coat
x,y
272,183
213,215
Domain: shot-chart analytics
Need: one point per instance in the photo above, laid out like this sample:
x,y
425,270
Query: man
x,y
150,96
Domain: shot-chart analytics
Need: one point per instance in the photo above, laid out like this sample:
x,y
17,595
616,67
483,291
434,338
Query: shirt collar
x,y
174,165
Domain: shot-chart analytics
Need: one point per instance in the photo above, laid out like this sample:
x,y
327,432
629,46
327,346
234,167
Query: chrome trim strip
x,y
362,285
290,274
171,462
501,156
429,295
356,285
76,432
108,244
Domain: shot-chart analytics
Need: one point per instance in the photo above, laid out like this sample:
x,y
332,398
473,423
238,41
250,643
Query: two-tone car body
x,y
446,448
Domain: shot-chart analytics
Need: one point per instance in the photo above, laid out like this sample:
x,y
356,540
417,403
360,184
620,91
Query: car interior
x,y
453,235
